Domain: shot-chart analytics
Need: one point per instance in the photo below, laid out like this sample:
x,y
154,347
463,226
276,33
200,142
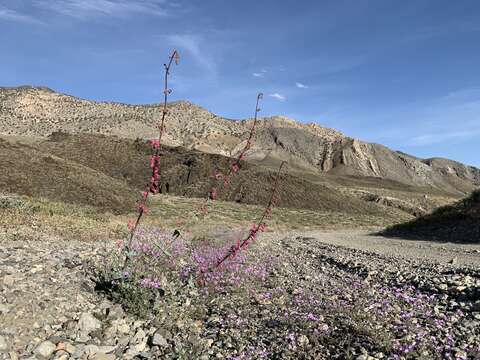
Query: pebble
x,y
45,349
159,340
3,344
88,323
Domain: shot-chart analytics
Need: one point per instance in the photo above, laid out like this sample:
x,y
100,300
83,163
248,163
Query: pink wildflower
x,y
235,168
142,208
226,181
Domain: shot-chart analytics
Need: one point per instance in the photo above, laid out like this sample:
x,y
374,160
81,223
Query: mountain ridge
x,y
39,111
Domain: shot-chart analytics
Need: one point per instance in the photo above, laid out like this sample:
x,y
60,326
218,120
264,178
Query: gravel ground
x,y
328,295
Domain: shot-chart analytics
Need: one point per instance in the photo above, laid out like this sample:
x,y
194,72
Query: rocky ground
x,y
327,295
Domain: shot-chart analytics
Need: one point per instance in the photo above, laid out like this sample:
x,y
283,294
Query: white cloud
x,y
12,15
301,86
87,9
192,45
260,73
278,96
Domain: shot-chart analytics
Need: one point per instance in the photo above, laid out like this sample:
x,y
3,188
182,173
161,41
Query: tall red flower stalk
x,y
152,185
221,181
259,226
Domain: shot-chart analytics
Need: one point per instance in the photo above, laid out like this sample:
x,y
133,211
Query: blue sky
x,y
402,73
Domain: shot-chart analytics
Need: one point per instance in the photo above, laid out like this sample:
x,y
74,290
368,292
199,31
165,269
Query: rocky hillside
x,y
36,111
108,173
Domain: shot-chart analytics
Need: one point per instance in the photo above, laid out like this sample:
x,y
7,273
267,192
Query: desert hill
x,y
38,111
457,222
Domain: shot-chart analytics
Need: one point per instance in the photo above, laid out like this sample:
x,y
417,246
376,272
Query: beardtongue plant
x,y
151,260
222,181
260,226
152,185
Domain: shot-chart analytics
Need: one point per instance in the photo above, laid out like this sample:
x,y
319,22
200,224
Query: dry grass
x,y
26,216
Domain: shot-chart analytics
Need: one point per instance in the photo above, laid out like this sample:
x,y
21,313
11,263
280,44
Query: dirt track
x,y
436,252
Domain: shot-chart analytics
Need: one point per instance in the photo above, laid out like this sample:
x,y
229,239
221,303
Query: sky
x,y
405,74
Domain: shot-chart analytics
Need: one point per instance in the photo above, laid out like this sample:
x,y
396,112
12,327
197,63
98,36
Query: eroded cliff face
x,y
32,111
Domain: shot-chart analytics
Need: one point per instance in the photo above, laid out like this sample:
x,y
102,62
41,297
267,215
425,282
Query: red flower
x,y
131,225
155,143
154,161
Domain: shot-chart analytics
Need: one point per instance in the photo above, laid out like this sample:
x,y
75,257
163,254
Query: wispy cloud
x,y
192,45
301,86
88,9
436,138
260,73
12,15
278,96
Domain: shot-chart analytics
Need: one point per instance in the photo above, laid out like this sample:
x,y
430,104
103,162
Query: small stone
x,y
453,261
159,340
123,329
8,280
443,286
91,349
61,355
209,342
303,340
109,332
79,351
3,344
139,341
45,349
69,348
88,323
